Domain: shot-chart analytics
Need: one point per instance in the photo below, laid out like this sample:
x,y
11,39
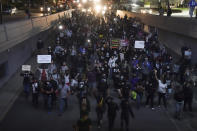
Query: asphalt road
x,y
24,117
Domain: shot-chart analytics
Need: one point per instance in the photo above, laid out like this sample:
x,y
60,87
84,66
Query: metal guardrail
x,y
13,33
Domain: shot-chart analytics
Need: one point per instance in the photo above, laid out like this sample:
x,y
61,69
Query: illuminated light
x,y
134,5
79,5
88,40
110,7
105,7
103,12
98,8
48,9
60,27
61,6
97,1
83,10
89,10
143,11
84,1
150,11
41,9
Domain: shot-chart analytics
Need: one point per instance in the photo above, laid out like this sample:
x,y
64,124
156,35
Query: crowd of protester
x,y
86,63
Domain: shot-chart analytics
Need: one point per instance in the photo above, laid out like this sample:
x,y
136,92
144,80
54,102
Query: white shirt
x,y
162,87
35,87
74,83
112,62
67,78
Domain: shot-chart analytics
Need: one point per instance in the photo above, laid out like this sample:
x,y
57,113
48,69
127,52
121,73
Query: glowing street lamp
x,y
60,27
98,8
84,1
103,12
79,5
105,7
48,9
97,1
41,9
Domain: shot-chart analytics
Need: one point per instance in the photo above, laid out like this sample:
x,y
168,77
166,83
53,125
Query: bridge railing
x,y
16,32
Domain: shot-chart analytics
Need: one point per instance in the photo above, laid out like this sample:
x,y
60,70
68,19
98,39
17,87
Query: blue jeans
x,y
139,99
62,104
26,89
49,102
191,11
110,73
179,108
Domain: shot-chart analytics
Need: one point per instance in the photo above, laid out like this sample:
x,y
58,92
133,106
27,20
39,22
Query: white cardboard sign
x,y
187,53
26,67
43,58
139,44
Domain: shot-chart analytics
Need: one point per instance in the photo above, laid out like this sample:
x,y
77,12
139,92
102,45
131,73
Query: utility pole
x,y
29,8
44,8
1,12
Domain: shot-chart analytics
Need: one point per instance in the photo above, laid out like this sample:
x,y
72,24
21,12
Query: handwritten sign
x,y
43,58
139,44
26,68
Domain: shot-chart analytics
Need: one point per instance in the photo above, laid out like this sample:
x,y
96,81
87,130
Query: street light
x,y
60,27
44,8
1,11
84,1
48,9
98,8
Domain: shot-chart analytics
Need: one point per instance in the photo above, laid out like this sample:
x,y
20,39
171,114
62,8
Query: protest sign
x,y
124,42
115,43
26,68
139,44
43,58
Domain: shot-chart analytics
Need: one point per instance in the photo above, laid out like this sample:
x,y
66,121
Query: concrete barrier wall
x,y
18,54
18,41
172,32
14,33
175,41
183,26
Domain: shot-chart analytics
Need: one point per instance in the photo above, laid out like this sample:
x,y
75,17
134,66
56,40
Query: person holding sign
x,y
27,75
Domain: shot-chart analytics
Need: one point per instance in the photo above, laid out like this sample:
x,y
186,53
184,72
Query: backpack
x,y
43,75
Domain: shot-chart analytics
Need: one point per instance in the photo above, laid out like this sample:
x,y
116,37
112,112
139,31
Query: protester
x,y
126,110
90,63
64,91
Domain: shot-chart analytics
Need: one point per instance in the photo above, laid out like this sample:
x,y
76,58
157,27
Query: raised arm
x,y
156,75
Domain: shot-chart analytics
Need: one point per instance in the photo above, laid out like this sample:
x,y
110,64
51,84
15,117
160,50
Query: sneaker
x,y
159,106
101,121
152,108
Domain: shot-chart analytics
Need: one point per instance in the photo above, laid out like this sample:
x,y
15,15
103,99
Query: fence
x,y
14,33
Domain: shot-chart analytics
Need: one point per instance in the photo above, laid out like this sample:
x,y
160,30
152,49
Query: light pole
x,y
44,8
29,9
1,12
